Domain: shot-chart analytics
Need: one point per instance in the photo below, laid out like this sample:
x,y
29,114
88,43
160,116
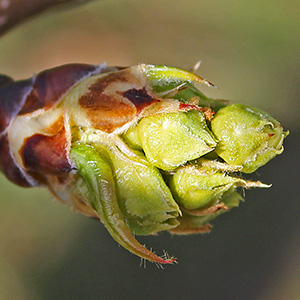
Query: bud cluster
x,y
177,169
140,148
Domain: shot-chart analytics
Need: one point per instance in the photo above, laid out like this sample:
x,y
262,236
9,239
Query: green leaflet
x,y
143,197
170,82
102,197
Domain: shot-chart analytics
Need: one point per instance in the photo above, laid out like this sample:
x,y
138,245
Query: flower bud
x,y
202,186
247,136
170,140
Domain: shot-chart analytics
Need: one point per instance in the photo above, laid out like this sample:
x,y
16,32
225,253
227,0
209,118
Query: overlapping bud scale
x,y
141,148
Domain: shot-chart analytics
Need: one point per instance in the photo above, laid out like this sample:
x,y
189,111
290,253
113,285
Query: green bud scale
x,y
140,148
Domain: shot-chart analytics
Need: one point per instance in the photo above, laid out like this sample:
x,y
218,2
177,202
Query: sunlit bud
x,y
202,186
170,140
247,136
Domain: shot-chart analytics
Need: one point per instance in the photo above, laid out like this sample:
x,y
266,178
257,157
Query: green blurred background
x,y
251,51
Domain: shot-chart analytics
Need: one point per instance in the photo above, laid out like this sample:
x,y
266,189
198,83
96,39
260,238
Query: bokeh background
x,y
251,50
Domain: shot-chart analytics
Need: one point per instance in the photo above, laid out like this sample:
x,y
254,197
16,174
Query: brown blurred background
x,y
250,50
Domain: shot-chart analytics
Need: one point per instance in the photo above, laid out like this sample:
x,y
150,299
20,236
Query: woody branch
x,y
13,12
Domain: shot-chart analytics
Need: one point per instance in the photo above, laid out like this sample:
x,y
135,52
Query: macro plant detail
x,y
140,148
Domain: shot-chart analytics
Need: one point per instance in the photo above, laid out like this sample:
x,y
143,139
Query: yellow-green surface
x,y
250,50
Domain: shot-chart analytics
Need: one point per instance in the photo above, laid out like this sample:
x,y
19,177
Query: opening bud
x,y
170,140
204,184
247,136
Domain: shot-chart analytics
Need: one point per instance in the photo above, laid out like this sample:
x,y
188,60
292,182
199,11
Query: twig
x,y
13,12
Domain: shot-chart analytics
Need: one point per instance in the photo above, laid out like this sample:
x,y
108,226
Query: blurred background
x,y
250,50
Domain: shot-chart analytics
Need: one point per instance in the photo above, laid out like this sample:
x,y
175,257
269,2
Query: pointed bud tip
x,y
160,72
259,184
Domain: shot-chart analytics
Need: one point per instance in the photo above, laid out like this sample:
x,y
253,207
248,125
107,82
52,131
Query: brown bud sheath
x,y
24,98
